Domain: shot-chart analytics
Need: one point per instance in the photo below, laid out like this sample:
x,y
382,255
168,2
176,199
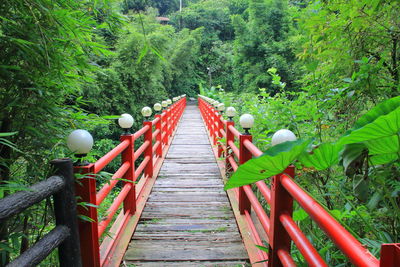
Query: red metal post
x,y
229,137
209,125
159,136
205,114
88,229
209,119
148,137
175,116
128,156
390,255
169,122
281,203
244,155
220,127
165,128
200,103
172,118
216,126
213,126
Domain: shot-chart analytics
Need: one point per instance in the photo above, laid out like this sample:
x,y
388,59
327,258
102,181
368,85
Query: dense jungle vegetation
x,y
314,67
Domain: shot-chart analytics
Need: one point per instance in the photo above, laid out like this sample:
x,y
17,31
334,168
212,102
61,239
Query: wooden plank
x,y
190,264
228,236
183,250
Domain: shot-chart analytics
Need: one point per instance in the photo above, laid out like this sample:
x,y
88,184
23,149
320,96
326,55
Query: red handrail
x,y
107,158
350,246
92,229
280,226
105,190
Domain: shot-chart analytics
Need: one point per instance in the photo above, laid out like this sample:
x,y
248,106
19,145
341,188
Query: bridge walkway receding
x,y
187,220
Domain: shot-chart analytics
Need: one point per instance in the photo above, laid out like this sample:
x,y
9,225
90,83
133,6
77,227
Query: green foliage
x,y
275,160
366,63
373,125
312,67
321,157
262,42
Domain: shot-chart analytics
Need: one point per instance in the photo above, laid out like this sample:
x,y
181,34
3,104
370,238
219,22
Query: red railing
x,y
279,228
156,135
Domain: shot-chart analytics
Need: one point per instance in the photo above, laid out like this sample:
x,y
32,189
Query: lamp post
x,y
230,112
282,136
157,107
125,122
146,112
80,142
247,122
221,108
164,104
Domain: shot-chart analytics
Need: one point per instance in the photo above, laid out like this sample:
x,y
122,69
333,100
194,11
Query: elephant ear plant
x,y
374,138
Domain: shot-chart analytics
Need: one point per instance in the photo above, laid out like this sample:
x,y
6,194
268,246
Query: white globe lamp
x,y
282,136
230,112
80,142
157,107
126,121
247,122
146,112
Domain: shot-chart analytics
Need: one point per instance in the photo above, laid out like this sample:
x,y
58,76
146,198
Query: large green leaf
x,y
351,153
321,157
381,121
385,145
383,158
274,161
381,109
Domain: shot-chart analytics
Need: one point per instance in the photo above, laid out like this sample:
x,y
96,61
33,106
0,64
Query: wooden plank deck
x,y
188,219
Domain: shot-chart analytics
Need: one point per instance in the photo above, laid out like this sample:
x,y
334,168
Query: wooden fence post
x,y
69,252
281,203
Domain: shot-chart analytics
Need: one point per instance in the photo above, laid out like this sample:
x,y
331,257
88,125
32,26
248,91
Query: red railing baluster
x,y
169,120
128,155
88,225
244,155
229,138
172,118
215,126
220,127
209,116
390,255
159,136
281,203
165,127
148,153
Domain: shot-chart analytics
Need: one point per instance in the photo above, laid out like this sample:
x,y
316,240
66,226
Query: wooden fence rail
x,y
65,235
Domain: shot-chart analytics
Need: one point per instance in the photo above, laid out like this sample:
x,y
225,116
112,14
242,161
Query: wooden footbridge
x,y
172,209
